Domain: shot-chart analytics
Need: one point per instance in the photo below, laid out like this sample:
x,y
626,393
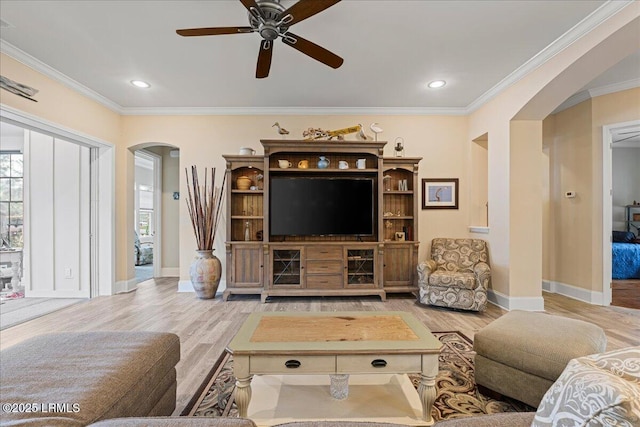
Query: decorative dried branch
x,y
203,204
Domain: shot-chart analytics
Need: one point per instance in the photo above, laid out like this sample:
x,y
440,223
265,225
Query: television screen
x,y
303,206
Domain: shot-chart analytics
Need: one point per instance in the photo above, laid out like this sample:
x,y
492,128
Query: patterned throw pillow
x,y
597,390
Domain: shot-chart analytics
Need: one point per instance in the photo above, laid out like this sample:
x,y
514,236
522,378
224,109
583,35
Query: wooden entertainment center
x,y
311,265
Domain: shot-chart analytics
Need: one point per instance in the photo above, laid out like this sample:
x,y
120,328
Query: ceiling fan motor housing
x,y
269,29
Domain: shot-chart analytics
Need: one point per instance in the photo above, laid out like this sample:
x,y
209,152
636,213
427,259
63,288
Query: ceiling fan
x,y
634,134
271,20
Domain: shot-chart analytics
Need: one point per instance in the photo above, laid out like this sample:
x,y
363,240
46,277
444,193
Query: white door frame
x,y
607,204
102,242
157,208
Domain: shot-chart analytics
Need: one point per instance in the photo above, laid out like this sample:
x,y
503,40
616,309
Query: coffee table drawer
x,y
391,363
292,364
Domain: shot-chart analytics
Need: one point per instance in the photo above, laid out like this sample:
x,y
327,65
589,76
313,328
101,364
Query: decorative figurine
x,y
375,129
282,131
361,135
313,133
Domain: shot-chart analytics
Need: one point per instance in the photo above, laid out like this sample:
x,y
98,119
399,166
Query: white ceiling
x,y
391,49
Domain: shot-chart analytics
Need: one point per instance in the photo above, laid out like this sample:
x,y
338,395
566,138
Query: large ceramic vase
x,y
205,273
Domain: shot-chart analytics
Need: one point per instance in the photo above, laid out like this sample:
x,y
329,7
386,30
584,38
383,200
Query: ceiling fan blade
x,y
624,139
264,59
313,50
306,8
253,8
190,32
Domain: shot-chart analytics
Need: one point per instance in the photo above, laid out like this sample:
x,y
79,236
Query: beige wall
x,y
575,225
202,141
571,221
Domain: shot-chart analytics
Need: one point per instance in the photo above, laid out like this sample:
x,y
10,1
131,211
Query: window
x,y
11,203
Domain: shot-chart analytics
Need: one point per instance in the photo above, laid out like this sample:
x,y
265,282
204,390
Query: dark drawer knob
x,y
292,364
379,363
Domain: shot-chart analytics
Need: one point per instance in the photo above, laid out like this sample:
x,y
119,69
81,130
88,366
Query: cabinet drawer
x,y
324,252
325,281
292,364
324,267
389,363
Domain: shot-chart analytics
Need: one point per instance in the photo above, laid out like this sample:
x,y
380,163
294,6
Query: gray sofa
x,y
128,379
496,420
77,378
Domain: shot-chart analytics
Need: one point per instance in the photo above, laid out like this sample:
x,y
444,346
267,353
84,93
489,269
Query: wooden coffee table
x,y
335,343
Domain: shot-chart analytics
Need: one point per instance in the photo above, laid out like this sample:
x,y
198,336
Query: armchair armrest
x,y
483,274
425,268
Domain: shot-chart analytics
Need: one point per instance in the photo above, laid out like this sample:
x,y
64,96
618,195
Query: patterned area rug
x,y
457,396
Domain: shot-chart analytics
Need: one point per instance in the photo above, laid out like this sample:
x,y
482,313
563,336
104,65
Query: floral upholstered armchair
x,y
457,275
143,251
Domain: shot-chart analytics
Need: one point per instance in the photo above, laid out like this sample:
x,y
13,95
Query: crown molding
x,y
597,91
52,73
292,111
598,16
615,87
583,27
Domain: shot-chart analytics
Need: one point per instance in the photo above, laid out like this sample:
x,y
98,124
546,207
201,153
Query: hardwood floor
x,y
625,293
206,326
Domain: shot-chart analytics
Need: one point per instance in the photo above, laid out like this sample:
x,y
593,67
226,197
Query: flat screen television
x,y
321,206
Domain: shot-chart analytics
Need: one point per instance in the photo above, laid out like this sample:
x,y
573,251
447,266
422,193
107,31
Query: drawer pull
x,y
292,364
379,363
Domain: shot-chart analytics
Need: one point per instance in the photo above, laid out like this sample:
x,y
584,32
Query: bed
x,y
626,261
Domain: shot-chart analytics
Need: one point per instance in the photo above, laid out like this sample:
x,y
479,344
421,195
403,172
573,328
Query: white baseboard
x,y
124,286
170,271
515,303
581,294
186,286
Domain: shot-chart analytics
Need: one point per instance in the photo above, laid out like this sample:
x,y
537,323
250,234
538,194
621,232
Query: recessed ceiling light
x,y
140,83
436,84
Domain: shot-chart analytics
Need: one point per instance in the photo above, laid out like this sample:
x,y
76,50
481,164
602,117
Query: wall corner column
x,y
525,215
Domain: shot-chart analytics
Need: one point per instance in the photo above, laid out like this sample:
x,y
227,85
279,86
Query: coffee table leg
x,y
242,393
427,387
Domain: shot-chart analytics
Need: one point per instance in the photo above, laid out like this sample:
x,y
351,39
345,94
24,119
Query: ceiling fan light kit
x,y
271,20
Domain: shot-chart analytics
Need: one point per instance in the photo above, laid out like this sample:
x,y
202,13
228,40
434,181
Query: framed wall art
x,y
440,193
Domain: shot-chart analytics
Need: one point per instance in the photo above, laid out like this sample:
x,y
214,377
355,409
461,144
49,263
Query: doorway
x,y
45,224
96,274
621,153
148,207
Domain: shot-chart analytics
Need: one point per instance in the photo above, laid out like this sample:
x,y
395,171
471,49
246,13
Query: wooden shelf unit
x,y
347,265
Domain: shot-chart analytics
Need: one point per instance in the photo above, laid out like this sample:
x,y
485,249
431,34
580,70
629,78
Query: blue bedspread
x,y
626,261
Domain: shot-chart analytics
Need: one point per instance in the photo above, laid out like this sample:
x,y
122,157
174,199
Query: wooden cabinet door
x,y
361,267
287,268
247,264
398,265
